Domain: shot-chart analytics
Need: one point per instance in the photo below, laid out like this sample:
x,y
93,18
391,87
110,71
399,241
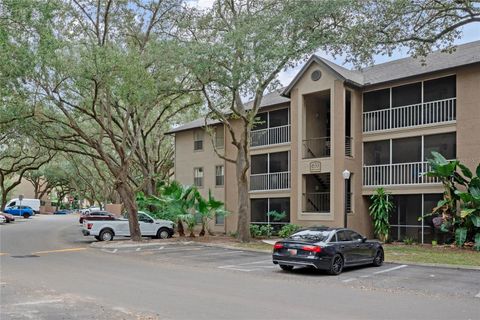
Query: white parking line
x,y
478,295
37,302
236,269
349,280
248,266
210,254
391,269
112,251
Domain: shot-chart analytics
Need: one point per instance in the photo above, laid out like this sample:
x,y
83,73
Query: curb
x,y
436,265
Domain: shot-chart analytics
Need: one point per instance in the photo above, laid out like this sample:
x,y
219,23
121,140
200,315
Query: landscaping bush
x,y
459,210
380,210
287,230
266,230
408,241
255,231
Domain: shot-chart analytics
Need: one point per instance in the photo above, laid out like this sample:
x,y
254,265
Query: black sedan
x,y
329,249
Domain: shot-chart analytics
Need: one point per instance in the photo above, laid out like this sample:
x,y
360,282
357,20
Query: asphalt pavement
x,y
49,271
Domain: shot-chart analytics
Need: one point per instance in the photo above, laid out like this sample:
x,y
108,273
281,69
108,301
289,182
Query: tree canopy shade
x,y
104,81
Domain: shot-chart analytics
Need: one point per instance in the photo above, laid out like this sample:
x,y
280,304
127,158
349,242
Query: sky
x,y
470,32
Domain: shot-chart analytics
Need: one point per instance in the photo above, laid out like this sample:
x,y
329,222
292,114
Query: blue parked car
x,y
23,211
62,211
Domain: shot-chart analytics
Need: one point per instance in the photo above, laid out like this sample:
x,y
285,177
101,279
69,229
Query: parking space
x,y
396,277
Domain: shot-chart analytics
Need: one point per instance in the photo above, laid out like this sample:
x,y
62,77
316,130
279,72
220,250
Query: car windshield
x,y
311,235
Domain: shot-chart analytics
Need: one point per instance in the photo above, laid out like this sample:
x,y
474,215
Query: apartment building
x,y
380,124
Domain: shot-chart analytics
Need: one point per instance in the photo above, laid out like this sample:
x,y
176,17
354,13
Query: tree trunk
x,y
128,199
202,232
243,227
4,201
180,229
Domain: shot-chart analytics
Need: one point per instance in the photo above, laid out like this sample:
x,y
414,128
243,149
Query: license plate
x,y
292,252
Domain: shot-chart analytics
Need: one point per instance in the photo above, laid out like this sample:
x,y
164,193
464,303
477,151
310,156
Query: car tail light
x,y
89,225
277,246
312,248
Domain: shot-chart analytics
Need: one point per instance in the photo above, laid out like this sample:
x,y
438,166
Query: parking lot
x,y
153,280
389,277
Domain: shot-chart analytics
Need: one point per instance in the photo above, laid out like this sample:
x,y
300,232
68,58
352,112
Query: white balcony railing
x,y
269,136
397,174
439,111
270,181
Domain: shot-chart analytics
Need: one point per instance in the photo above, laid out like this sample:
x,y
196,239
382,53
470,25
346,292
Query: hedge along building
x,y
380,123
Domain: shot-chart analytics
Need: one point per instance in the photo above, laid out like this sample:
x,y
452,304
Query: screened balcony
x,y
270,171
413,105
316,141
404,161
316,195
272,128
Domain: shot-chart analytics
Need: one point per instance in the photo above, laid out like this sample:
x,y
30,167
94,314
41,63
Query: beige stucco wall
x,y
468,116
186,159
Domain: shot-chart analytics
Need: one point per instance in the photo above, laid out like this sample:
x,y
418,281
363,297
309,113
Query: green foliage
x,y
380,210
408,241
266,230
287,230
255,230
476,246
460,206
460,236
181,203
276,216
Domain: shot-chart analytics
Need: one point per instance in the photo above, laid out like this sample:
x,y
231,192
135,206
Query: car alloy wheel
x,y
106,236
337,265
379,257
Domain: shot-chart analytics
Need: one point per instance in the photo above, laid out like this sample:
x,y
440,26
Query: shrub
x,y
266,230
408,241
287,230
255,230
380,210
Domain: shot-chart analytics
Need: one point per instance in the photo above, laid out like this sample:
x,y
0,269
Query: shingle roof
x,y
464,54
270,99
198,123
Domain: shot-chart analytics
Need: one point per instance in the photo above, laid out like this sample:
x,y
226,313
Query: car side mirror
x,y
364,239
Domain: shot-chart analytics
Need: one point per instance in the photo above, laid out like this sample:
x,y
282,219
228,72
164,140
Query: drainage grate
x,y
26,256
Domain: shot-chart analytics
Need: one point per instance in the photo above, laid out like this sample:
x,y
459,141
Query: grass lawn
x,y
429,254
254,245
406,253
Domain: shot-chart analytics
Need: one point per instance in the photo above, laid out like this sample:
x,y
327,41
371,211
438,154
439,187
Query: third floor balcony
x,y
271,128
412,105
425,113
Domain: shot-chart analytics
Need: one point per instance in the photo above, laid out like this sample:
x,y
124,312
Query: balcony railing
x,y
397,174
269,136
270,181
316,148
439,111
316,202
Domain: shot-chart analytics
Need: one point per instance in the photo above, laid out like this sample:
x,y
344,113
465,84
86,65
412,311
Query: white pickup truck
x,y
105,230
